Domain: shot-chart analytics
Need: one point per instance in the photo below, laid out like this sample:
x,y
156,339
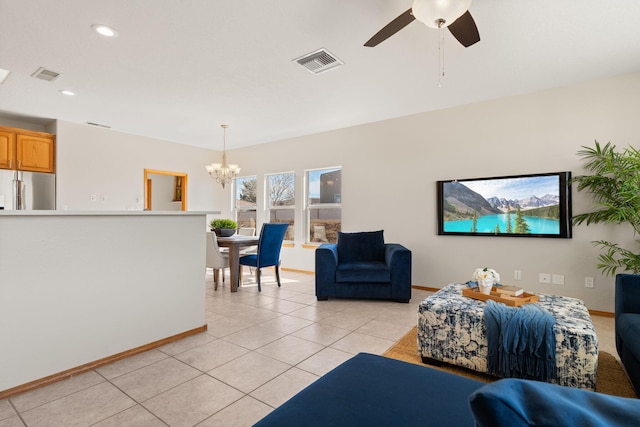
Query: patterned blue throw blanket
x,y
521,341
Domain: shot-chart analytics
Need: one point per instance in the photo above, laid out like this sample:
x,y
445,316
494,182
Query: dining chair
x,y
216,259
268,254
248,231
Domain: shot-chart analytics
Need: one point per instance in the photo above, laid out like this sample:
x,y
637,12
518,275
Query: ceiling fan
x,y
453,14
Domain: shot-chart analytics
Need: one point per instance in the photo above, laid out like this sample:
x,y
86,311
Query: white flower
x,y
485,273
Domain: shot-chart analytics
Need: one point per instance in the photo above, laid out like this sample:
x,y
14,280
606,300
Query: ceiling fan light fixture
x,y
439,13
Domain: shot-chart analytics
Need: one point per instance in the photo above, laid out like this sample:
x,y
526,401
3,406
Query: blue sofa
x,y
370,390
361,265
627,316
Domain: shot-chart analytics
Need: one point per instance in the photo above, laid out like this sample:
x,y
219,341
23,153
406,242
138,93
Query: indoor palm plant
x,y
614,184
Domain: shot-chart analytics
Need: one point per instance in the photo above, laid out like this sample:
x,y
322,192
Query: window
x,y
281,200
324,204
245,201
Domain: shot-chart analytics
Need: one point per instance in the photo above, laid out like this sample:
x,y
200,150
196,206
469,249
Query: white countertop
x,y
4,213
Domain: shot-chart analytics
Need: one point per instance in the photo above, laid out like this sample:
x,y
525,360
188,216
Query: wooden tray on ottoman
x,y
525,298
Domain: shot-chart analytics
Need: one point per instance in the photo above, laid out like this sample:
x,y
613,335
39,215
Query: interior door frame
x,y
147,186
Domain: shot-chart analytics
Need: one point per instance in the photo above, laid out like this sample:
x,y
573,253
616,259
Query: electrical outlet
x,y
557,279
517,275
588,282
544,278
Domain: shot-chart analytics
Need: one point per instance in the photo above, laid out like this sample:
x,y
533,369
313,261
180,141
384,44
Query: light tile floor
x,y
259,350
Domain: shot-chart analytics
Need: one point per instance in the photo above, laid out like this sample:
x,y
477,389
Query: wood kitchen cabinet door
x,y
7,150
35,153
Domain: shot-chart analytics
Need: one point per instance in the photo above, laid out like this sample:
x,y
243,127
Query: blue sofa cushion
x,y
370,390
364,246
363,272
516,403
628,326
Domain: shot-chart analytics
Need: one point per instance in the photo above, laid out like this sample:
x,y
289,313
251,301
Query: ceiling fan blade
x,y
391,28
464,30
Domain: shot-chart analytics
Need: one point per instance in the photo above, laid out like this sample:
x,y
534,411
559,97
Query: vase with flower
x,y
486,278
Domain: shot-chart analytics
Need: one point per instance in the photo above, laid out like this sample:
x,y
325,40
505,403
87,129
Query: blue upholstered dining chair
x,y
269,245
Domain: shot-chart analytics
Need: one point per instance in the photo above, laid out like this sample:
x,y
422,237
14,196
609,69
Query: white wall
x,y
390,169
389,174
79,287
163,189
111,165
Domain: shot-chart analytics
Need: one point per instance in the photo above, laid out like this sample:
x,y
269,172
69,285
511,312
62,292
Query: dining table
x,y
234,243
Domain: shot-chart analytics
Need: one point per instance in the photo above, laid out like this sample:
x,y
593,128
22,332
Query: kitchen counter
x,y
105,213
81,287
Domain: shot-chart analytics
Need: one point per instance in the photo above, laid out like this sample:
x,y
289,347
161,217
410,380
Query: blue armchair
x,y
361,265
627,316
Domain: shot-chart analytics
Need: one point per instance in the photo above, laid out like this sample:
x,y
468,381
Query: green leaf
x,y
614,185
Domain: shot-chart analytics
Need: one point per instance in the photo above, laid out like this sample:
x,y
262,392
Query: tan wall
x,y
390,169
389,174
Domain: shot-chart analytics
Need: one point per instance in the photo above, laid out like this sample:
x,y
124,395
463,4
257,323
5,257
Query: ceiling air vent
x,y
319,61
44,74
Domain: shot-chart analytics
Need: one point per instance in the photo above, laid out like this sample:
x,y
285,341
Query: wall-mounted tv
x,y
537,205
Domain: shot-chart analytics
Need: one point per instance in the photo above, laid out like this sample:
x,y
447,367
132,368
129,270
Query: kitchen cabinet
x,y
26,150
7,149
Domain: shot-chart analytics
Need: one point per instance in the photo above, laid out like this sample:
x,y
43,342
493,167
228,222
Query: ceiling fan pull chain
x,y
440,56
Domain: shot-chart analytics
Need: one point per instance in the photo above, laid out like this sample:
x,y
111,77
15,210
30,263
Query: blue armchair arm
x,y
627,321
326,265
627,296
398,258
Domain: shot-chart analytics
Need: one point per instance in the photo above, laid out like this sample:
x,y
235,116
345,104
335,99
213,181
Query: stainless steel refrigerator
x,y
27,190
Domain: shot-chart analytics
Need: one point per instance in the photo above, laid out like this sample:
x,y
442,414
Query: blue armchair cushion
x,y
363,246
358,272
516,403
628,326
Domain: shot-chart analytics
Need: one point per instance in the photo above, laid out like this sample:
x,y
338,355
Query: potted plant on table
x,y
223,227
615,188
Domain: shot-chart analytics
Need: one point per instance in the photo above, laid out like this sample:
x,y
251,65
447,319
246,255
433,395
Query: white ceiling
x,y
180,68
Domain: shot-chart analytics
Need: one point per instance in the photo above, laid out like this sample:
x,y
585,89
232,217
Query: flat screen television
x,y
536,205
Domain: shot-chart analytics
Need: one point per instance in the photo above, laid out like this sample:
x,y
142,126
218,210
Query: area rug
x,y
611,378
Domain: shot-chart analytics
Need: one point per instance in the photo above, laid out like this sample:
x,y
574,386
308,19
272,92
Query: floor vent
x,y
319,61
44,74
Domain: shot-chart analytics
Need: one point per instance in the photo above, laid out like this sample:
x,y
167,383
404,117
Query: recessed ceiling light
x,y
104,30
67,92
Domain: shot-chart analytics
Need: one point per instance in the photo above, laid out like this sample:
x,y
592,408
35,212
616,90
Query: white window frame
x,y
234,194
308,206
270,207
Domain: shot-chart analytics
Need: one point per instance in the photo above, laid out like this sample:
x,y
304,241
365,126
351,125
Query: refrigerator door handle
x,y
18,191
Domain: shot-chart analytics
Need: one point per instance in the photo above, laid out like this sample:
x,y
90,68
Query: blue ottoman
x,y
377,391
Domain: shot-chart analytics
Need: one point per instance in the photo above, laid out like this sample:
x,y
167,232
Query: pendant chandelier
x,y
221,172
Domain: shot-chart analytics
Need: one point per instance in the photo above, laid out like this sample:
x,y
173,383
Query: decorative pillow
x,y
358,247
515,403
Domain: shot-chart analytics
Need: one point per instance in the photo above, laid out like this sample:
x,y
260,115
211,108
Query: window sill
x,y
310,245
